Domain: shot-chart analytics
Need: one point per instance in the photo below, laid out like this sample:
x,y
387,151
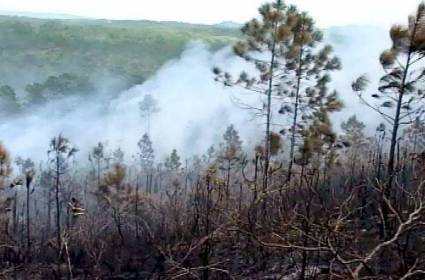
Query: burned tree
x,y
59,155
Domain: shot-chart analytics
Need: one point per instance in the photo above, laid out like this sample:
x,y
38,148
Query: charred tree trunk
x,y
28,254
58,206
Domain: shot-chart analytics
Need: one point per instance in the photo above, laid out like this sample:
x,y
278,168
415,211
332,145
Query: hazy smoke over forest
x,y
194,110
167,150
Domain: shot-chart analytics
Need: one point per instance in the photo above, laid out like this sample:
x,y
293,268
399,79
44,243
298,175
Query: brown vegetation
x,y
332,207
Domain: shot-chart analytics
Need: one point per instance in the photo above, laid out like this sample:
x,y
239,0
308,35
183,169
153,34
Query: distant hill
x,y
32,49
43,56
39,15
229,24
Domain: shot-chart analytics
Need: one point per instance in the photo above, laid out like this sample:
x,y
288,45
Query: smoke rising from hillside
x,y
194,109
194,112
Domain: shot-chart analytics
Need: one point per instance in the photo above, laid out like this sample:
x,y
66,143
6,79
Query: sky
x,y
326,12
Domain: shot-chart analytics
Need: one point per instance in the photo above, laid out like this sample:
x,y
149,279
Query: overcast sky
x,y
325,12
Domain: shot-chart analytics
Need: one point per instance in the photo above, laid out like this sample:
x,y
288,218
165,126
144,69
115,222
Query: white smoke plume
x,y
194,112
359,51
194,109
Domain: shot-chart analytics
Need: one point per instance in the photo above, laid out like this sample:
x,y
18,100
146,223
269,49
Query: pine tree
x,y
28,171
305,76
319,141
117,156
172,162
116,194
353,130
354,143
266,35
232,145
400,93
96,157
148,106
146,153
297,75
230,154
59,153
146,156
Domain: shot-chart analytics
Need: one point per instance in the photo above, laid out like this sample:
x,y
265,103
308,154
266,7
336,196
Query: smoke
x,y
194,109
359,48
194,112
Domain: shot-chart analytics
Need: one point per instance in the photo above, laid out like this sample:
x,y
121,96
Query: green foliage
x,y
353,132
60,152
173,163
98,152
318,139
131,49
146,153
231,148
299,72
360,84
408,43
9,103
99,160
148,106
59,86
298,57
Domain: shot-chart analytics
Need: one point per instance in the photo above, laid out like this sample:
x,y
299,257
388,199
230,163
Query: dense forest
x,y
308,201
133,49
68,57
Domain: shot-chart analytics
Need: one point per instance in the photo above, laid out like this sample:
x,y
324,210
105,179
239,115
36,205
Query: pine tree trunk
x,y
49,215
57,199
268,120
391,161
295,119
136,210
207,246
228,183
15,212
398,110
396,126
28,222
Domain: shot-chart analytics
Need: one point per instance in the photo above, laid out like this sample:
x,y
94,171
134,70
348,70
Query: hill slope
x,y
131,49
48,58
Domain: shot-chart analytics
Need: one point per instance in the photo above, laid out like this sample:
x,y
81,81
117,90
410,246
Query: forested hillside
x,y
44,59
132,50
